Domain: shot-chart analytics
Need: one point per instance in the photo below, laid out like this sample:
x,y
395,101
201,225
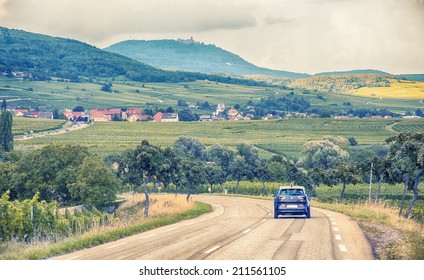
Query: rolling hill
x,y
360,71
41,57
45,56
189,55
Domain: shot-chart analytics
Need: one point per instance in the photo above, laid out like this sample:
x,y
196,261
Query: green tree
x,y
278,171
3,104
347,173
142,166
319,158
106,88
262,172
78,108
194,173
6,135
406,155
240,170
187,147
169,170
221,156
95,183
214,175
56,115
51,171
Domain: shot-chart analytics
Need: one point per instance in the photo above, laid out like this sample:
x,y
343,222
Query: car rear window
x,y
291,192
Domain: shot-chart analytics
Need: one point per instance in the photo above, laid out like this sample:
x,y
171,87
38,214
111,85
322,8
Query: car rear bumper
x,y
292,211
300,210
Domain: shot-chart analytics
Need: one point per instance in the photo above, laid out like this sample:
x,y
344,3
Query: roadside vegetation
x,y
92,229
392,237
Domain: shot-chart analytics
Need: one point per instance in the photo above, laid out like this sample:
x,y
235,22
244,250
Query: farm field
x,y
401,89
54,94
271,137
25,125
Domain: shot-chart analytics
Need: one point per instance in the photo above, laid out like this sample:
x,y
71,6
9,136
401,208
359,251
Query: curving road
x,y
241,229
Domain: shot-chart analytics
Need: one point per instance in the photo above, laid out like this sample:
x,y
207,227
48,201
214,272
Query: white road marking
x,y
335,228
247,230
334,223
202,220
338,237
212,249
148,236
269,214
171,229
264,220
190,223
342,248
73,258
332,219
120,244
328,215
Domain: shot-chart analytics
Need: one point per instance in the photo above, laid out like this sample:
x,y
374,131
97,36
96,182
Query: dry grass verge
x,y
391,237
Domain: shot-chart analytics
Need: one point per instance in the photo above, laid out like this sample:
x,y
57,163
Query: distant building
x,y
103,115
232,112
170,117
19,112
32,114
205,118
45,115
166,117
220,108
76,116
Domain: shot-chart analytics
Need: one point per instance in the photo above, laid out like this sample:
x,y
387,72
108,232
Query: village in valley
x,y
221,113
78,114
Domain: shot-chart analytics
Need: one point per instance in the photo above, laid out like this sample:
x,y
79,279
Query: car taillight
x,y
282,197
300,204
301,197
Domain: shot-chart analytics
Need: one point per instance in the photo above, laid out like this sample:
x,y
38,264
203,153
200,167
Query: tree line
x,y
188,166
71,174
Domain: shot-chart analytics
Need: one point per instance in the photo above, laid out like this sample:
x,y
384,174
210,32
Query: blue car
x,y
292,200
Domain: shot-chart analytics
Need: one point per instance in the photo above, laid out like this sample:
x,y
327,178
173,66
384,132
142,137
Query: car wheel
x,y
275,214
308,214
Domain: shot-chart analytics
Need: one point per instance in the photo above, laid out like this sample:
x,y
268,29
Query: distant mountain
x,y
41,57
414,77
364,71
189,55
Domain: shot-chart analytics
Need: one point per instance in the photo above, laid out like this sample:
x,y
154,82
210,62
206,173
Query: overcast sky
x,y
295,35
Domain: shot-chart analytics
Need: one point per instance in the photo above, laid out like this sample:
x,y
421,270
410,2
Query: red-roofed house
x,y
158,117
32,114
20,113
166,117
103,115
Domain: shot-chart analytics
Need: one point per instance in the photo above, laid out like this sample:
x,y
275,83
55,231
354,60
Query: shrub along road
x,y
242,229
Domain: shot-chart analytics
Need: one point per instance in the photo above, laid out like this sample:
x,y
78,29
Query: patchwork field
x,y
282,136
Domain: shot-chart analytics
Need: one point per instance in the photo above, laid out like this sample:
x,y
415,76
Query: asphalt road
x,y
241,229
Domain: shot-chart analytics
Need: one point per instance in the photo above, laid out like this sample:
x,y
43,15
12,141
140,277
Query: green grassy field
x,y
53,94
279,136
25,125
